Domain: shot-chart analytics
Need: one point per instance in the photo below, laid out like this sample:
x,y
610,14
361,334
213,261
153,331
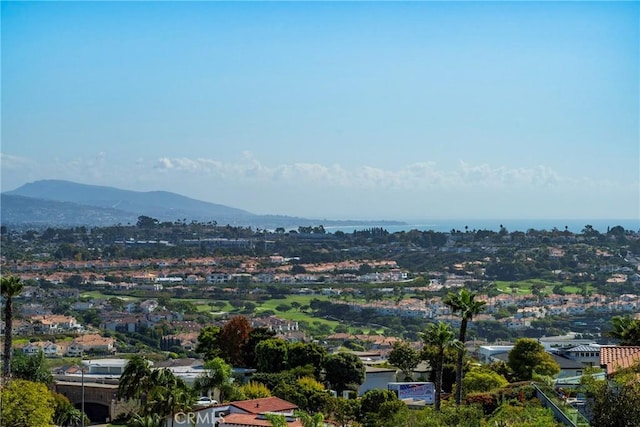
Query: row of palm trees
x,y
442,337
159,391
161,394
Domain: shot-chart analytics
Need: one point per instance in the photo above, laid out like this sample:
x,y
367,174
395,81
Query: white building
x,y
50,349
376,379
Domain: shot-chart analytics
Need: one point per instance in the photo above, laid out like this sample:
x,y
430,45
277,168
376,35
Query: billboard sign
x,y
414,390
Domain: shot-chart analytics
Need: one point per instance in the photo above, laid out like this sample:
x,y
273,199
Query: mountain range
x,y
50,203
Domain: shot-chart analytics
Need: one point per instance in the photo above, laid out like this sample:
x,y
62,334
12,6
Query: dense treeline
x,y
414,250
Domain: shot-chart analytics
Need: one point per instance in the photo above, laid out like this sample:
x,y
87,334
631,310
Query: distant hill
x,y
65,203
162,205
26,211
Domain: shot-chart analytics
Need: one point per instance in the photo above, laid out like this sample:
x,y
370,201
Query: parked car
x,y
205,400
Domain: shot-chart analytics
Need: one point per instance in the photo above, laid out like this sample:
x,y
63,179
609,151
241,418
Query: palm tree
x,y
465,304
10,287
276,420
626,329
169,398
68,416
153,420
316,420
217,375
179,399
441,337
135,379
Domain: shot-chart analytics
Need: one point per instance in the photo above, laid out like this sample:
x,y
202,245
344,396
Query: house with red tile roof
x,y
260,406
245,413
54,323
250,413
617,357
91,342
251,420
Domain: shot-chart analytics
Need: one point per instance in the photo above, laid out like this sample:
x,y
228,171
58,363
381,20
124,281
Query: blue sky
x,y
360,110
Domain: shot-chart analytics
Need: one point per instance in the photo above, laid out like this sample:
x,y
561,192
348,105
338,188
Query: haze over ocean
x,y
445,225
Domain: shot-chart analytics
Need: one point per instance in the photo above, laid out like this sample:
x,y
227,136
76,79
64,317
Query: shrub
x,y
487,401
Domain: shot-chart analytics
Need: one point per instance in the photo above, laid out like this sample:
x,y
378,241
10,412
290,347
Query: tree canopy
x,y
404,357
248,348
529,356
344,371
233,336
25,403
303,354
483,379
208,342
272,355
31,367
610,399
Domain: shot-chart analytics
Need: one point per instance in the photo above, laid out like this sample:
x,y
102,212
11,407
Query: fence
x,y
564,413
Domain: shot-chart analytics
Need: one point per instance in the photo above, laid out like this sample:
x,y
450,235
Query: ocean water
x,y
445,225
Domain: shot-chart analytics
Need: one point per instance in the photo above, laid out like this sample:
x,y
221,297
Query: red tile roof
x,y
619,357
267,404
251,420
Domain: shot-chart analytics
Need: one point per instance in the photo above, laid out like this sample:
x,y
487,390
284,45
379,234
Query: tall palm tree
x,y
169,398
179,399
441,337
466,306
135,378
10,287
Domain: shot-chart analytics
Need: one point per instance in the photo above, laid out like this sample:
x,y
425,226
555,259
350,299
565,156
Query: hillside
x,y
164,205
26,211
65,203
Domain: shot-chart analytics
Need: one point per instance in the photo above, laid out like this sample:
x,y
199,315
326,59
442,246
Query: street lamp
x,y
82,404
82,393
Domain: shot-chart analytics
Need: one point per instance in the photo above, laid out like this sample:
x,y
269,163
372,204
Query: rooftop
x,y
267,404
589,347
251,420
619,357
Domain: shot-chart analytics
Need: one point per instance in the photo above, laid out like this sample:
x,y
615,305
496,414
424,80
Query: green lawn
x,y
296,315
92,294
100,295
61,361
524,286
203,306
293,315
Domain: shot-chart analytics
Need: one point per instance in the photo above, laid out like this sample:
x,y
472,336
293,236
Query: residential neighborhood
x,y
89,314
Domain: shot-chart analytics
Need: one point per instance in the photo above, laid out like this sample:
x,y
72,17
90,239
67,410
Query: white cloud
x,y
414,176
8,161
503,177
337,190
